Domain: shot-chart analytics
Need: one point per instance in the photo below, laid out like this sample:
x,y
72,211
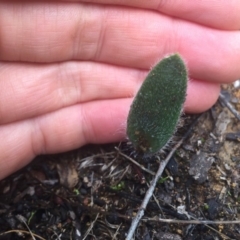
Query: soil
x,y
96,191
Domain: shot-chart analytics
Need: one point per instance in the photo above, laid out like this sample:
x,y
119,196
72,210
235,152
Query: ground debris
x,y
202,161
200,165
95,192
167,236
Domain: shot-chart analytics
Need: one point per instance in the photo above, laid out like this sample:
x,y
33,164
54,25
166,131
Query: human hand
x,y
69,70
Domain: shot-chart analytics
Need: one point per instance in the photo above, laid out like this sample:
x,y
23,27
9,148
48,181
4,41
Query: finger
x,y
60,131
201,95
127,37
217,14
71,127
29,90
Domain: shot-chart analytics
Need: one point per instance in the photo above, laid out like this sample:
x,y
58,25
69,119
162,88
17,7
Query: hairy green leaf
x,y
157,107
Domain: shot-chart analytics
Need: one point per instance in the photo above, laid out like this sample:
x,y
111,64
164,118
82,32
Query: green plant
x,y
162,179
205,206
157,107
119,186
76,191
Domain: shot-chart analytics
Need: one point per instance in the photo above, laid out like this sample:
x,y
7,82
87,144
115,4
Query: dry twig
x,y
22,231
229,106
135,162
149,193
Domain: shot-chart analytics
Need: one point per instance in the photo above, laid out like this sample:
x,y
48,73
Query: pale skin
x,y
69,70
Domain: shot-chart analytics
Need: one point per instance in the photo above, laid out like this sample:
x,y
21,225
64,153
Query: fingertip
x,y
106,120
201,95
